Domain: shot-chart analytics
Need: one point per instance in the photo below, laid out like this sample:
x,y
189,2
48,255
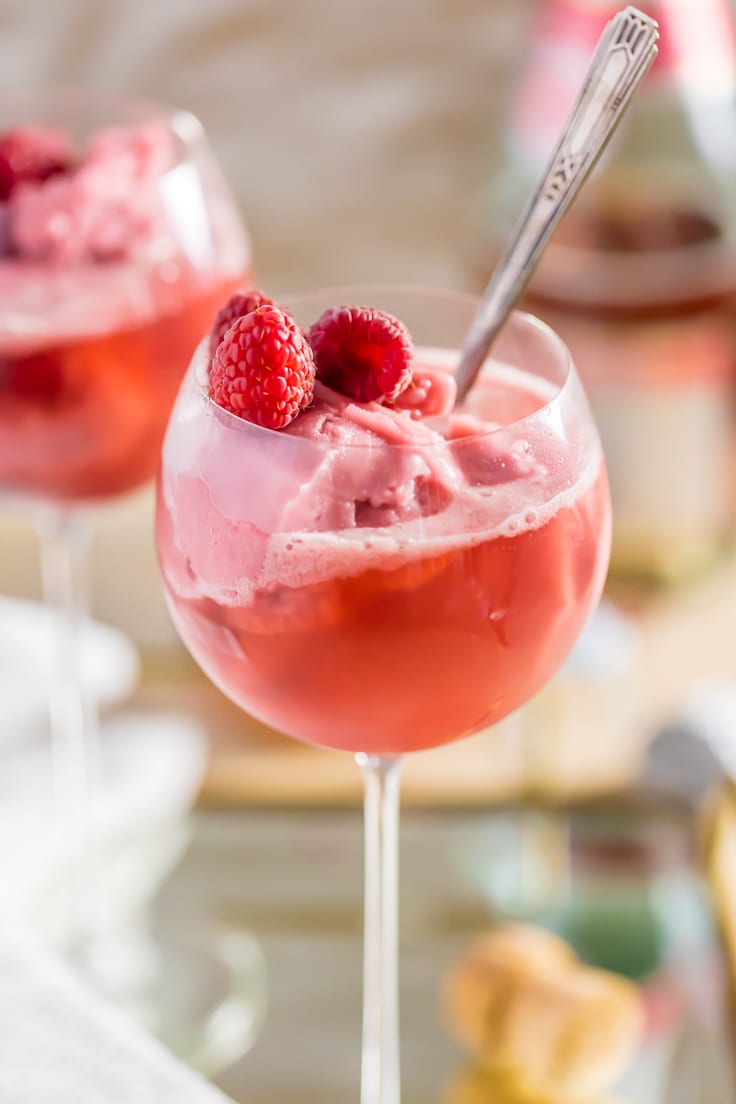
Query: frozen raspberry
x,y
237,306
362,353
38,379
32,153
263,369
104,210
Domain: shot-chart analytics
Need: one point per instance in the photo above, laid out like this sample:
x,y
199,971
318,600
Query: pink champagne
x,y
82,415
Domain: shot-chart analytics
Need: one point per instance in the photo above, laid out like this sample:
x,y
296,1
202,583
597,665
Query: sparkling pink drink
x,y
380,583
113,260
82,414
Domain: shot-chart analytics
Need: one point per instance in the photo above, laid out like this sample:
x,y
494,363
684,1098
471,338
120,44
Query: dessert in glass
x,y
362,565
118,238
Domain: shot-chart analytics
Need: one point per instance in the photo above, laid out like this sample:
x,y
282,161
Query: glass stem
x,y
380,1081
65,545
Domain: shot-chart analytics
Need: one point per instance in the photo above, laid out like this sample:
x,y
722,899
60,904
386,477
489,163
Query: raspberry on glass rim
x,y
263,365
362,352
237,306
263,369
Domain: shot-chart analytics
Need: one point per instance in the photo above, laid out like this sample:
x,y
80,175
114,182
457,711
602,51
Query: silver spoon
x,y
627,48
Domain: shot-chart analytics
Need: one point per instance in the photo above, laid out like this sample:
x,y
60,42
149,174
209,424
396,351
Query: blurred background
x,y
394,141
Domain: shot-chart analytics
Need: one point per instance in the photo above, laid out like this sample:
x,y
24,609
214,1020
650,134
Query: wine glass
x,y
118,239
381,585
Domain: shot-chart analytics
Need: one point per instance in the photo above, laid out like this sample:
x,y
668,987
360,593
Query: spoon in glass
x,y
627,48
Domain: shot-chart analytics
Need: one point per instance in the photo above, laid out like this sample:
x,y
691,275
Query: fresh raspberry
x,y
237,306
32,153
263,369
363,353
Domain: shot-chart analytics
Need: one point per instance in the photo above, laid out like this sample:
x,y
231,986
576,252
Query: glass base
x,y
202,993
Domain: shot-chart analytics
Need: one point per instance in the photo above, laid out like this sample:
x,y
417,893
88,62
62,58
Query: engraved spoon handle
x,y
627,48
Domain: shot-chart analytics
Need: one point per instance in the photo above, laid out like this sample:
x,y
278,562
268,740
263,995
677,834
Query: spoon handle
x,y
627,48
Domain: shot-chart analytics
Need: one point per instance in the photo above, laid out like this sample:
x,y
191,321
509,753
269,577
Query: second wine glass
x,y
119,237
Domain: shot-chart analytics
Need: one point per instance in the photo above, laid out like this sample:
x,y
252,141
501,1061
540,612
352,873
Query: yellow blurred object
x,y
478,1086
532,1014
719,837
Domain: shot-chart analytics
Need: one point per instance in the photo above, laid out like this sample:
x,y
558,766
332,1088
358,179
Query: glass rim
x,y
142,108
517,317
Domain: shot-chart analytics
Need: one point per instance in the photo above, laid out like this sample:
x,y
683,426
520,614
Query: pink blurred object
x,y
104,209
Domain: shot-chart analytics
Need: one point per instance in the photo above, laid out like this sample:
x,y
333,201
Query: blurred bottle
x,y
640,278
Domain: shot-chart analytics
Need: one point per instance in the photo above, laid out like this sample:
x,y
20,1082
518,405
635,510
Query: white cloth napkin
x,y
60,1043
108,663
151,766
